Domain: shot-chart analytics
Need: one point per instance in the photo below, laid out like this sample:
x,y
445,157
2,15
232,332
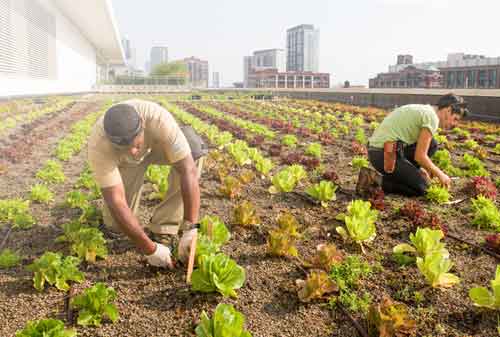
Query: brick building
x,y
409,77
272,78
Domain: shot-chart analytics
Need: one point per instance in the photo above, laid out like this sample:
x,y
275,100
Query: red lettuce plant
x,y
493,242
377,199
359,149
482,186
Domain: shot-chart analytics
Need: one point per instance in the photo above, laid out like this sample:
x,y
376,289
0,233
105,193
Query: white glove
x,y
185,244
161,257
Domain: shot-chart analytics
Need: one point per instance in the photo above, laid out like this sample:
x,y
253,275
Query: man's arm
x,y
421,157
116,201
190,189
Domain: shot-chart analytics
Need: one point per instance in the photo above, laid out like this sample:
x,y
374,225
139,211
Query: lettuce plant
x,y
314,149
390,318
360,222
497,149
16,212
437,194
442,159
76,199
425,241
55,270
289,140
46,328
483,298
226,322
9,259
435,267
359,162
264,166
51,173
246,176
327,255
212,235
245,214
286,179
218,273
281,241
486,213
470,144
482,186
231,187
240,155
88,244
317,285
360,136
41,194
94,304
324,192
475,167
492,241
158,176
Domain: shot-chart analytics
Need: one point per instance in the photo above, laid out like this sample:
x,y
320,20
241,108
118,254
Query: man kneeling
x,y
131,136
401,147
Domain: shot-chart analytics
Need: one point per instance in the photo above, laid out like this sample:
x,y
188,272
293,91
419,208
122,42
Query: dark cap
x,y
457,104
122,124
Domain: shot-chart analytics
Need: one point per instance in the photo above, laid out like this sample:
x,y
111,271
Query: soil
x,y
156,302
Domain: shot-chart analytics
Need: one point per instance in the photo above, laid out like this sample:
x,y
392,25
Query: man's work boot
x,y
368,181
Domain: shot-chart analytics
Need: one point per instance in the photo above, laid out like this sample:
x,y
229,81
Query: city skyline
x,y
358,39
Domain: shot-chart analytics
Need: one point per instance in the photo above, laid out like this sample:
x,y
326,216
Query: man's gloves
x,y
185,244
161,257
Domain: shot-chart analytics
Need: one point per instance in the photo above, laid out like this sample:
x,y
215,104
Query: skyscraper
x,y
247,69
302,45
215,79
159,54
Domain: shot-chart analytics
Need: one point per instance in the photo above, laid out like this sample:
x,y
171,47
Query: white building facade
x,y
56,46
302,45
269,59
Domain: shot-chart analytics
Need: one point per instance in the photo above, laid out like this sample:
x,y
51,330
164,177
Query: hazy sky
x,y
358,38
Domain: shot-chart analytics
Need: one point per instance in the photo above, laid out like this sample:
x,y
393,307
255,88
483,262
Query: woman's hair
x,y
457,104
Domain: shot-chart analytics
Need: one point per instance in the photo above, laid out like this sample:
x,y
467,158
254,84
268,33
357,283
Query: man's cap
x,y
457,104
122,124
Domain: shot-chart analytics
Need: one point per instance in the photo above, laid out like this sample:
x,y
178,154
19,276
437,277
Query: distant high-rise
x,y
302,45
247,69
159,54
126,47
215,79
198,71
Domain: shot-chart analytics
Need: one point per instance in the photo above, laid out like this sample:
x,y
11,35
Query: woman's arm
x,y
421,157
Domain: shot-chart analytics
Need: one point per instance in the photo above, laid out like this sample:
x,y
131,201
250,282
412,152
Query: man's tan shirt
x,y
162,136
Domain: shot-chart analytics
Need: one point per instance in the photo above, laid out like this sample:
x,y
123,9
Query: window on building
x,y
460,79
493,78
471,79
483,78
451,80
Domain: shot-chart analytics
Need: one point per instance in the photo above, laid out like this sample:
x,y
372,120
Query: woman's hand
x,y
444,179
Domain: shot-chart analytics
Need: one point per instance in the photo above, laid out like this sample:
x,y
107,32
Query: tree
x,y
170,69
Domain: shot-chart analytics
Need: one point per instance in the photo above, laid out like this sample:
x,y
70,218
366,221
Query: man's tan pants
x,y
168,215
